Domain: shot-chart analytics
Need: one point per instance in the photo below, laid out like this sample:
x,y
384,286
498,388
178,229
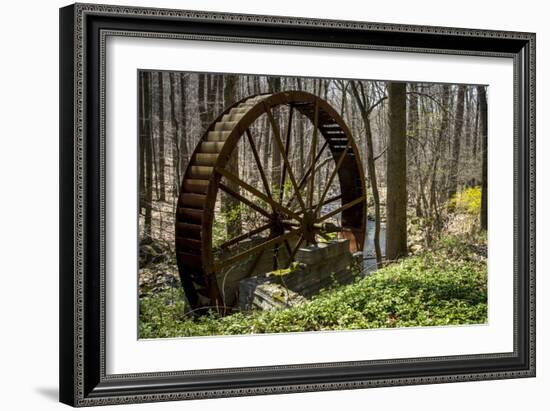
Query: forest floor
x,y
446,285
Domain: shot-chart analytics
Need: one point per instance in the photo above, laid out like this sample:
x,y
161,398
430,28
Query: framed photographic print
x,y
256,205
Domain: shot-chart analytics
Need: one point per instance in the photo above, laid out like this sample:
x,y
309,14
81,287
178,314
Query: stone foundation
x,y
317,267
229,278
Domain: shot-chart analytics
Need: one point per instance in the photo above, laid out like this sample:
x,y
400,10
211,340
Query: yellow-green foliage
x,y
467,201
284,271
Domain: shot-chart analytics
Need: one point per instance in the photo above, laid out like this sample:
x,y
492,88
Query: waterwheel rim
x,y
298,215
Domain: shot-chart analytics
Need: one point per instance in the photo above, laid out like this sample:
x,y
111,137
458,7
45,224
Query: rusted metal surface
x,y
208,165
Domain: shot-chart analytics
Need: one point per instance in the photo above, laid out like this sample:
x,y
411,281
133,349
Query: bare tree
x,y
459,121
482,96
230,206
396,174
146,139
182,121
275,87
365,107
161,150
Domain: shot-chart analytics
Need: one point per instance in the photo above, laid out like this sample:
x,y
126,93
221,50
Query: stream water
x,y
369,255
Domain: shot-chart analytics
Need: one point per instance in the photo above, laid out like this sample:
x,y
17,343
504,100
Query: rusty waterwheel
x,y
287,214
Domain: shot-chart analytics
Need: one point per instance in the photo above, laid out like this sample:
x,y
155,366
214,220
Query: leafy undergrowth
x,y
445,286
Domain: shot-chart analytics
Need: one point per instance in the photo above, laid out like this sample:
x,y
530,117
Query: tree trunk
x,y
146,139
363,104
476,130
141,148
413,134
230,206
207,100
182,141
439,148
459,120
396,174
275,87
176,153
482,96
161,157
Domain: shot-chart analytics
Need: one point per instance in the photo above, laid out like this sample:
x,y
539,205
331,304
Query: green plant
x,y
444,286
467,201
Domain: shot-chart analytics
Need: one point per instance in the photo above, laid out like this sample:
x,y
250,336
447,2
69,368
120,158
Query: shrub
x,y
467,201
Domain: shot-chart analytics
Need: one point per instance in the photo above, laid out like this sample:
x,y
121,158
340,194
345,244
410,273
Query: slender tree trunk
x,y
396,173
162,159
299,127
176,153
264,141
182,141
476,130
147,140
204,101
467,120
363,104
439,148
230,206
154,156
459,121
413,135
482,96
275,87
142,133
218,93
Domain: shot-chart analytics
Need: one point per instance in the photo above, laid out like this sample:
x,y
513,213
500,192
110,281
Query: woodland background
x,y
36,387
445,142
431,176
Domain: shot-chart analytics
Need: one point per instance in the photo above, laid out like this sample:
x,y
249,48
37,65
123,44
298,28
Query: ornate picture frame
x,y
84,30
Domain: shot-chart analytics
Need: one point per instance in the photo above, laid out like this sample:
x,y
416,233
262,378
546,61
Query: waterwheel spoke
x,y
253,250
255,263
258,162
286,153
304,180
340,209
275,258
287,246
257,193
295,249
313,150
244,200
334,172
245,236
328,201
277,136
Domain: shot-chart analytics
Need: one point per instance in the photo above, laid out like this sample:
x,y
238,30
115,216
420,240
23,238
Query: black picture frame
x,y
83,381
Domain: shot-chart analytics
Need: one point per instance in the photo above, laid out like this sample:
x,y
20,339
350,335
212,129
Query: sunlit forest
x,y
287,204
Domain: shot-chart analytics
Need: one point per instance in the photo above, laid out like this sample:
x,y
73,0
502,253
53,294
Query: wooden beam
x,y
287,150
257,193
258,163
334,172
277,136
245,200
306,175
313,154
246,235
260,247
339,210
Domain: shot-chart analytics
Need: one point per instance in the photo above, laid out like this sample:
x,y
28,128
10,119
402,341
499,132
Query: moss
x,y
285,271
